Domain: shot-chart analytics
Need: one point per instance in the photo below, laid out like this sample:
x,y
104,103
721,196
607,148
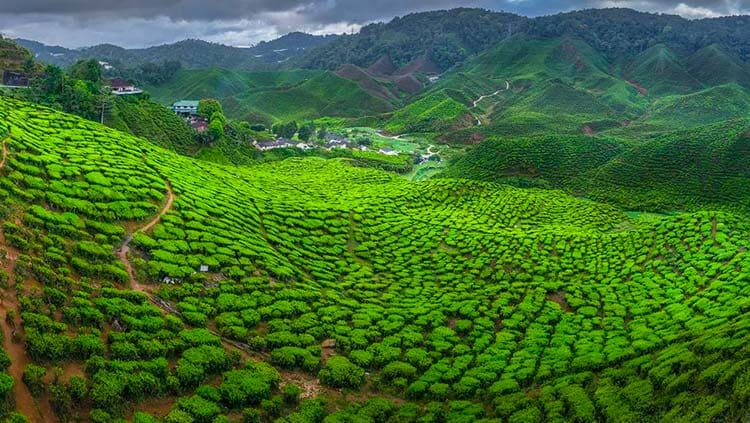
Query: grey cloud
x,y
138,23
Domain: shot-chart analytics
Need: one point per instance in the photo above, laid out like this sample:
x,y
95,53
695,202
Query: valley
x,y
428,220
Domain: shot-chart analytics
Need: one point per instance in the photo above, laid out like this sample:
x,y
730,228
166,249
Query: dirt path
x,y
11,327
124,249
13,344
641,90
477,101
5,151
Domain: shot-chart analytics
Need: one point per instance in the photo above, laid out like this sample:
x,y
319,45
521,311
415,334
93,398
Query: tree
x,y
87,70
306,131
208,106
289,129
322,133
216,130
218,116
32,377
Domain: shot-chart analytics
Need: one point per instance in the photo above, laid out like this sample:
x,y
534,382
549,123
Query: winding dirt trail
x,y
5,151
11,326
124,249
477,101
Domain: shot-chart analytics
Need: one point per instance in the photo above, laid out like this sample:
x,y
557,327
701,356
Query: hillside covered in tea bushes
x,y
312,290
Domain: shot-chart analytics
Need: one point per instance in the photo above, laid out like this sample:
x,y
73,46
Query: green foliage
x,y
208,106
339,372
479,300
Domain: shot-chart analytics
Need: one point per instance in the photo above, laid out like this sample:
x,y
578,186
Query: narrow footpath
x,y
477,101
5,151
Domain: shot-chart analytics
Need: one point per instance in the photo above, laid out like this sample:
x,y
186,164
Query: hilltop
x,y
192,54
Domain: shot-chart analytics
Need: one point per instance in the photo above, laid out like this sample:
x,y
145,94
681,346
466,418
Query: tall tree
x,y
208,106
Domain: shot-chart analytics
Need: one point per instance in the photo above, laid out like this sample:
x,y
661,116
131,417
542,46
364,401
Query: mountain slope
x,y
447,37
688,169
483,300
660,72
222,83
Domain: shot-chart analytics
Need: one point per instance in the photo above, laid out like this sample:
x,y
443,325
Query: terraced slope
x,y
221,83
275,96
689,169
460,299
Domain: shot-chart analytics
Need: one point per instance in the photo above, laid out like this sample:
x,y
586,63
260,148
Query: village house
x,y
279,143
185,107
122,87
198,123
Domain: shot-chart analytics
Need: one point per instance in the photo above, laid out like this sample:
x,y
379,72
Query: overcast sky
x,y
139,23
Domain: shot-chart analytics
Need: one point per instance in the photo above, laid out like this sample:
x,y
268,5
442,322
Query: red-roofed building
x,y
122,87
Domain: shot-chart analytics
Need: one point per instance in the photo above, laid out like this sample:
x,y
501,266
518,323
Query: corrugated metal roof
x,y
185,103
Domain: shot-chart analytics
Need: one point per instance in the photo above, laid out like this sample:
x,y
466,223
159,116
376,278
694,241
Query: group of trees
x,y
79,91
304,132
211,110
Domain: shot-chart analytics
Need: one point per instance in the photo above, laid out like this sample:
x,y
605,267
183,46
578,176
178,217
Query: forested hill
x,y
192,54
449,37
446,36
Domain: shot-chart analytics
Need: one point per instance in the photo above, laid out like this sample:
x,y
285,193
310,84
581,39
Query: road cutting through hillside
x,y
477,101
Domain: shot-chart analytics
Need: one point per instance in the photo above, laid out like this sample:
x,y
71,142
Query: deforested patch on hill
x,y
383,88
383,67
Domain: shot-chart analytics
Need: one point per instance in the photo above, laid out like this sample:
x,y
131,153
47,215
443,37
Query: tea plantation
x,y
312,290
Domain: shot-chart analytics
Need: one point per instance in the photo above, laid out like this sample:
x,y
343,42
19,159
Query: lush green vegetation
x,y
151,121
501,303
679,170
270,97
584,254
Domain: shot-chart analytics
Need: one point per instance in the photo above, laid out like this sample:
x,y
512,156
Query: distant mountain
x,y
446,37
193,54
452,36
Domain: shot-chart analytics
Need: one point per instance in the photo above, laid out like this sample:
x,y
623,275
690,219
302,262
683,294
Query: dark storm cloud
x,y
322,10
135,23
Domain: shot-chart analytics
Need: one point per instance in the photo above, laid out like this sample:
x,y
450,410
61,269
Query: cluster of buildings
x,y
188,109
332,142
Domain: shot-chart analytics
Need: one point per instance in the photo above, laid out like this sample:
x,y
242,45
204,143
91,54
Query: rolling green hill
x,y
153,122
712,66
660,71
711,105
376,297
274,96
222,83
704,166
